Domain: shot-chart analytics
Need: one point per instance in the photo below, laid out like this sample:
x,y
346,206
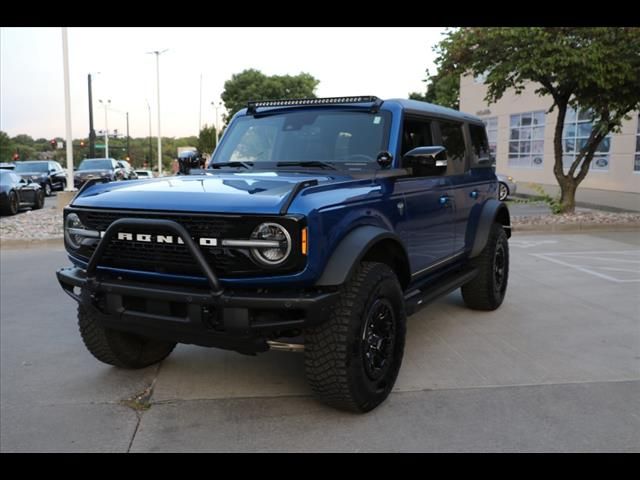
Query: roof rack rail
x,y
253,105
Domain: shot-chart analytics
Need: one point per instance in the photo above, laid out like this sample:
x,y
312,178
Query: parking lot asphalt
x,y
556,368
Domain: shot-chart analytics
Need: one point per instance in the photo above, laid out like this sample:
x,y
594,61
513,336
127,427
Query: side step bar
x,y
419,298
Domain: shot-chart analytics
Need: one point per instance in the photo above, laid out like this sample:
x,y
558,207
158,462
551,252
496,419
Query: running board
x,y
417,299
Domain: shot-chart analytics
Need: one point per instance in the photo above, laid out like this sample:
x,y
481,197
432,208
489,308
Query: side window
x,y
481,149
417,133
453,141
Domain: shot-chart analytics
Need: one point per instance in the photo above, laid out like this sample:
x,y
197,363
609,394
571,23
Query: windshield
x,y
5,177
32,167
96,164
335,137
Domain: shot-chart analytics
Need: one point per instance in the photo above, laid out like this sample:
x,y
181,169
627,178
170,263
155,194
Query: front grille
x,y
175,258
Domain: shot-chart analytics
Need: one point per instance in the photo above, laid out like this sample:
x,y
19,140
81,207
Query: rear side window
x,y
481,150
453,140
416,133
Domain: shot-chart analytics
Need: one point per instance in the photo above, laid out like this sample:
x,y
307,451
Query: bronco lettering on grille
x,y
147,237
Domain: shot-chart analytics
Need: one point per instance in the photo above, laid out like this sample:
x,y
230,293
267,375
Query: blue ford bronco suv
x,y
318,225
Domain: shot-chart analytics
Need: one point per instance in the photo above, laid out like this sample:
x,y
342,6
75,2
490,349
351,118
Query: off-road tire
x,y
335,351
120,349
487,290
39,203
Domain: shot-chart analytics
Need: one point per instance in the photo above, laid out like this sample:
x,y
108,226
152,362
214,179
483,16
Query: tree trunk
x,y
567,195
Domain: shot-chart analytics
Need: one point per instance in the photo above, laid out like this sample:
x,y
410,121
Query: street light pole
x,y
67,107
157,54
106,128
216,107
128,151
150,148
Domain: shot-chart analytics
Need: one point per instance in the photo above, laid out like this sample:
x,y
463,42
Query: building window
x,y
636,164
577,128
526,139
492,133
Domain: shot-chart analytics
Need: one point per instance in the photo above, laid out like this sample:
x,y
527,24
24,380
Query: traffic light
x,y
82,143
16,156
53,143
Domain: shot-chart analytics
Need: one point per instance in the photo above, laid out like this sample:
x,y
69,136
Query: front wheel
x,y
487,290
13,202
39,202
352,360
47,189
120,349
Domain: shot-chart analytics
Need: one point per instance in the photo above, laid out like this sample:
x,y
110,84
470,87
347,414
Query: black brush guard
x,y
230,319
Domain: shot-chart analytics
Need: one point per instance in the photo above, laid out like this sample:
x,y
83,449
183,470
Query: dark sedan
x,y
17,193
48,173
103,169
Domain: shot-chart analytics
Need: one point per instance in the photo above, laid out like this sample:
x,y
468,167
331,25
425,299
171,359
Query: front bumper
x,y
235,320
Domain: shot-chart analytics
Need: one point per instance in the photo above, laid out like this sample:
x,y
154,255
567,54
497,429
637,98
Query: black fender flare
x,y
351,250
492,211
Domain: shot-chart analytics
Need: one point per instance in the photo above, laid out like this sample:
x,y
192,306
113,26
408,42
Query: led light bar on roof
x,y
298,102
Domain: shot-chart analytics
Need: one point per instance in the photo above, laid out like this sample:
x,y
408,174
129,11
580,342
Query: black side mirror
x,y
428,157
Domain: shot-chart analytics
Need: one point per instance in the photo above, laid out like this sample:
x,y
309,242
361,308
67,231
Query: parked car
x,y
507,186
48,173
17,192
144,173
104,169
7,166
327,219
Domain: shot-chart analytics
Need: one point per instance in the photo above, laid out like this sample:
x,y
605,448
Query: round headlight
x,y
73,222
274,233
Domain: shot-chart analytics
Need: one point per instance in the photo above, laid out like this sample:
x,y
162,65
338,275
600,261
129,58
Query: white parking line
x,y
590,269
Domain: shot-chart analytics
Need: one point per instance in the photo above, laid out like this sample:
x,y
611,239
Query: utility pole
x,y
157,54
92,132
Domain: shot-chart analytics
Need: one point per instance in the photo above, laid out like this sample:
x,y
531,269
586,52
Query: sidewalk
x,y
590,197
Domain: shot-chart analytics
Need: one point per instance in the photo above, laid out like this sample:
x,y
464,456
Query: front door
x,y
428,229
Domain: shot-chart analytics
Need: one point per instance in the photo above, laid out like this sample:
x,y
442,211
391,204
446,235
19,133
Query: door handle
x,y
474,194
444,200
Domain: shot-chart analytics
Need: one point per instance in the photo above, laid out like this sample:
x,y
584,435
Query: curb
x,y
576,228
12,244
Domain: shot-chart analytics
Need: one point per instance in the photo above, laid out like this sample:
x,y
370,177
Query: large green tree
x,y
207,139
596,68
443,88
254,85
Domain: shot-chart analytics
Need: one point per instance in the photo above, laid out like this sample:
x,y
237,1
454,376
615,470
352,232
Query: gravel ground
x,y
46,224
42,224
584,217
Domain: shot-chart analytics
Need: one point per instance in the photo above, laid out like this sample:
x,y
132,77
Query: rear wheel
x,y
503,191
487,290
352,360
120,349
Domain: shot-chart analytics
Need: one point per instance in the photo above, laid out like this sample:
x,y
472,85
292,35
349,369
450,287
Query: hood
x,y
95,172
258,192
32,174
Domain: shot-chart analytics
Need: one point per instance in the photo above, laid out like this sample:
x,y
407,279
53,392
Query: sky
x,y
386,62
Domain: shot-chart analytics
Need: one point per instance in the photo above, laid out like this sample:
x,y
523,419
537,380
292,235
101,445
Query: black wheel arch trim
x,y
352,249
480,224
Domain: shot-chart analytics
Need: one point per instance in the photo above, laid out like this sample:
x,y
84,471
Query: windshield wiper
x,y
237,163
310,163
